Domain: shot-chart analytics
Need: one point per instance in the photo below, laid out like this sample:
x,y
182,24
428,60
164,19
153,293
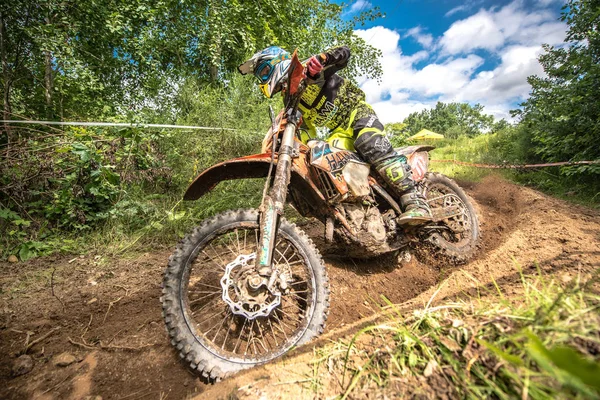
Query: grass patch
x,y
543,342
489,149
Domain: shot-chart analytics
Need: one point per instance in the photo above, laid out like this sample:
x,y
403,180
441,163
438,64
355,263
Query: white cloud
x,y
446,78
400,77
389,112
360,5
455,10
424,39
467,5
477,31
512,36
506,82
492,29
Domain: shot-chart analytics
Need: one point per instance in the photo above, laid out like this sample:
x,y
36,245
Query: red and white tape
x,y
517,166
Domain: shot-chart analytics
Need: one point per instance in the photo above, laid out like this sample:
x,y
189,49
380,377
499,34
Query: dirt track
x,y
106,312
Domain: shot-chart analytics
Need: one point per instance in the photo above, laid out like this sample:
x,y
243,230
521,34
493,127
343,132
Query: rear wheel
x,y
219,317
455,236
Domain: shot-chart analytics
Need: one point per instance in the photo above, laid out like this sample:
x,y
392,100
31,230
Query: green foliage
x,y
161,61
123,187
94,59
562,112
511,146
451,120
397,132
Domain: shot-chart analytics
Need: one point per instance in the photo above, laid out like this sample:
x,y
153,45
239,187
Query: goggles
x,y
264,71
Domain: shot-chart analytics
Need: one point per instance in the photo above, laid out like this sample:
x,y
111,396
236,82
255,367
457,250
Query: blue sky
x,y
474,51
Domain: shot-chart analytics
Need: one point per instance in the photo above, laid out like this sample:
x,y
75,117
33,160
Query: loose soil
x,y
105,311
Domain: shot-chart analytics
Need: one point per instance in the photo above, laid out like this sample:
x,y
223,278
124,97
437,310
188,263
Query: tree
x,y
397,132
451,120
562,113
97,58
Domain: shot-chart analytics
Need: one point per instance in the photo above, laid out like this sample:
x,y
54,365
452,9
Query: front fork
x,y
273,203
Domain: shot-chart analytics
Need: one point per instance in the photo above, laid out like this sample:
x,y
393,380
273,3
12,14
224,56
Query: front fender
x,y
254,166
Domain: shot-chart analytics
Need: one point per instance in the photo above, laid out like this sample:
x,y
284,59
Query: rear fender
x,y
418,158
253,166
410,150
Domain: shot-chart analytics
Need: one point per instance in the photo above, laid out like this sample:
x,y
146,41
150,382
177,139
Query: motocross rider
x,y
336,103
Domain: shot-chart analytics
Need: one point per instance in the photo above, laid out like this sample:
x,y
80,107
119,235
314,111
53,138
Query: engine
x,y
373,231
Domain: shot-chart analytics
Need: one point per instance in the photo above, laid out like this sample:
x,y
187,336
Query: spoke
x,y
213,260
245,233
210,286
218,330
291,328
232,252
237,241
273,332
298,297
248,338
297,306
213,327
292,317
203,307
228,330
240,336
202,291
301,291
280,323
262,335
201,298
285,251
295,263
209,318
280,257
222,262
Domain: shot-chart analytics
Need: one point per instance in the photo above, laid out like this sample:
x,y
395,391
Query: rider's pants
x,y
364,134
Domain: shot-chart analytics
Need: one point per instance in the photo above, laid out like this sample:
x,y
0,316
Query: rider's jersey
x,y
329,102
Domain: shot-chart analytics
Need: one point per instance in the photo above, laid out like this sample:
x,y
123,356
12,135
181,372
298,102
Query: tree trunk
x,y
49,83
49,80
215,38
6,112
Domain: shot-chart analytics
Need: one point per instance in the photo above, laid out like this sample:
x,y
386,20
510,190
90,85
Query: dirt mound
x,y
106,311
498,204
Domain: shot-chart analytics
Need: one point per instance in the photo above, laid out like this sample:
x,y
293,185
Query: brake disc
x,y
248,303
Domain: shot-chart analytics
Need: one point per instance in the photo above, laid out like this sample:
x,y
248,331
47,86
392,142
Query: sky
x,y
474,51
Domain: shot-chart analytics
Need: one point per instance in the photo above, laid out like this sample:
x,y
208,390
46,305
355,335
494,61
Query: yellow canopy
x,y
426,134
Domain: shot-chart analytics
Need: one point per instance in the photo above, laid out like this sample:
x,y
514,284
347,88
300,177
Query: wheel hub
x,y
246,292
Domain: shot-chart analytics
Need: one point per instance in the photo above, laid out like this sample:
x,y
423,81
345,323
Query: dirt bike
x,y
246,286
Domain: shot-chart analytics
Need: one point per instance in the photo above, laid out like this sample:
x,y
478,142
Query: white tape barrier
x,y
122,124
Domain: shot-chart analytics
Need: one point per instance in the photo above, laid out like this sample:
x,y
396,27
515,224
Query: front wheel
x,y
218,318
455,236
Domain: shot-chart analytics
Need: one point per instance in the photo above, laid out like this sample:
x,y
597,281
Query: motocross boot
x,y
396,172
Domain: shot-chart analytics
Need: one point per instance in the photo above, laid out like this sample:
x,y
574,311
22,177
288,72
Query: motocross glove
x,y
314,66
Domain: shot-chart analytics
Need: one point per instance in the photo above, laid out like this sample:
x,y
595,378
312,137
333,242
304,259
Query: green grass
x,y
541,343
486,150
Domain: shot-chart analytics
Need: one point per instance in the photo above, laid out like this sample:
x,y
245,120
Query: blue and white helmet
x,y
270,66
